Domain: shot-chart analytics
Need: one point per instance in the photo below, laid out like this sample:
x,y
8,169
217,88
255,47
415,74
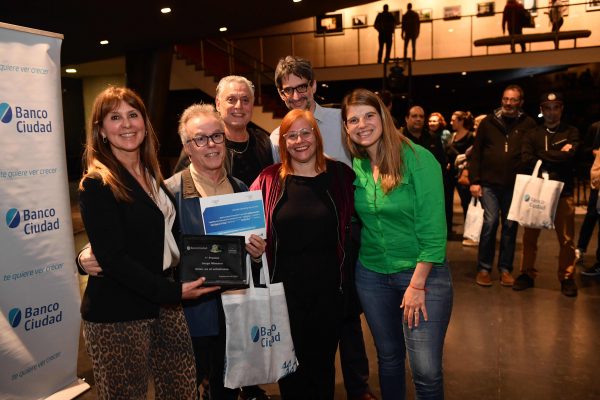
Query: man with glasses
x,y
492,170
296,84
249,148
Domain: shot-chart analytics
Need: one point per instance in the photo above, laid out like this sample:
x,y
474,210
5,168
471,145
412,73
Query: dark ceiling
x,y
134,25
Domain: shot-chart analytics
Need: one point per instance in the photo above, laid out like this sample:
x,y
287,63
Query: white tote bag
x,y
474,220
258,344
535,200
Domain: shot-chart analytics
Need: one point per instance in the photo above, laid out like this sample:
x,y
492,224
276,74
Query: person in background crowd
x,y
401,276
133,323
462,138
555,14
595,183
385,25
461,163
555,143
437,129
416,132
493,166
591,215
296,84
309,203
411,26
512,18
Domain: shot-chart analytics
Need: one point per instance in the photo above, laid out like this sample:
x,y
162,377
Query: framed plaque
x,y
220,259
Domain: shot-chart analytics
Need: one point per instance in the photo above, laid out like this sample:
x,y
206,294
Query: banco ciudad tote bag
x,y
258,344
474,220
535,200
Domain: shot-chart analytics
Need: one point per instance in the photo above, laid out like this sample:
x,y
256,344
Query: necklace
x,y
551,131
240,151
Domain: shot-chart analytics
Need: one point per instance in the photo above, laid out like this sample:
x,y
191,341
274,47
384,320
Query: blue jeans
x,y
496,203
381,296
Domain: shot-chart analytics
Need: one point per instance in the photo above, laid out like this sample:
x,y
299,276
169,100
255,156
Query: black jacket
x,y
431,142
496,156
541,144
128,241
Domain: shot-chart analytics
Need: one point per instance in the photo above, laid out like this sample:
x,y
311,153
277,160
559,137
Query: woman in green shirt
x,y
402,278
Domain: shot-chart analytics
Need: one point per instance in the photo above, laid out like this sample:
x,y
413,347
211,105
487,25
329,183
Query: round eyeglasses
x,y
303,133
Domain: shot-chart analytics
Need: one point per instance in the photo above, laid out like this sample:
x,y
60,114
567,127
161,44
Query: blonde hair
x,y
98,158
390,146
197,110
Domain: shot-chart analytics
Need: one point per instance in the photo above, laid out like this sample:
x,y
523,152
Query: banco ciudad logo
x,y
526,197
5,113
255,333
35,221
36,317
26,119
264,335
14,317
13,218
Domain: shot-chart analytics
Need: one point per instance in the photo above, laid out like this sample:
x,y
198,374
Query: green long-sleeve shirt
x,y
408,225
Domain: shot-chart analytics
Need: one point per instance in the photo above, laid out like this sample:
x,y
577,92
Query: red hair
x,y
286,159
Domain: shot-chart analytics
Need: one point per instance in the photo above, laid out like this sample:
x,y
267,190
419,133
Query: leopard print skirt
x,y
125,355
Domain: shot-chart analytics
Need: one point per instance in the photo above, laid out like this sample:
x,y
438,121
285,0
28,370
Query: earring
x,y
104,139
146,133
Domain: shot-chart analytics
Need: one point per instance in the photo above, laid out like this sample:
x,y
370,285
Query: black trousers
x,y
384,39
315,322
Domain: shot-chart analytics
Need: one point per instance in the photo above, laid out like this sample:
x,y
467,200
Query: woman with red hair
x,y
308,206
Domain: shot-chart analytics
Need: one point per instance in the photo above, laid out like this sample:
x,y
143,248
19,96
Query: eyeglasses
x,y
289,91
304,133
202,140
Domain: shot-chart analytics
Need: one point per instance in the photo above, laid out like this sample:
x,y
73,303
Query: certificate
x,y
220,259
239,214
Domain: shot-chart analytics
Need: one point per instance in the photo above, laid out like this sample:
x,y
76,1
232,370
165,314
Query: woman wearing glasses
x,y
133,324
402,280
308,205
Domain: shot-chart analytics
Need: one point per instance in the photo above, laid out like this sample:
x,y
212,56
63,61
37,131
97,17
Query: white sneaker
x,y
470,243
579,254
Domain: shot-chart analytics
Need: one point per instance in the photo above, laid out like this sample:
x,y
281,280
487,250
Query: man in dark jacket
x,y
512,18
494,163
385,24
415,131
411,25
555,143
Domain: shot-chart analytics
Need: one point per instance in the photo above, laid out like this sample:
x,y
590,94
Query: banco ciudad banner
x,y
39,292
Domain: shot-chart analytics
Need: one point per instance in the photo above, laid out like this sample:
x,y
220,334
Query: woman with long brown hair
x,y
402,278
133,323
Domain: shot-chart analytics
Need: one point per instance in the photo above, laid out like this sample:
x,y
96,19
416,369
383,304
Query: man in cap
x,y
555,143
